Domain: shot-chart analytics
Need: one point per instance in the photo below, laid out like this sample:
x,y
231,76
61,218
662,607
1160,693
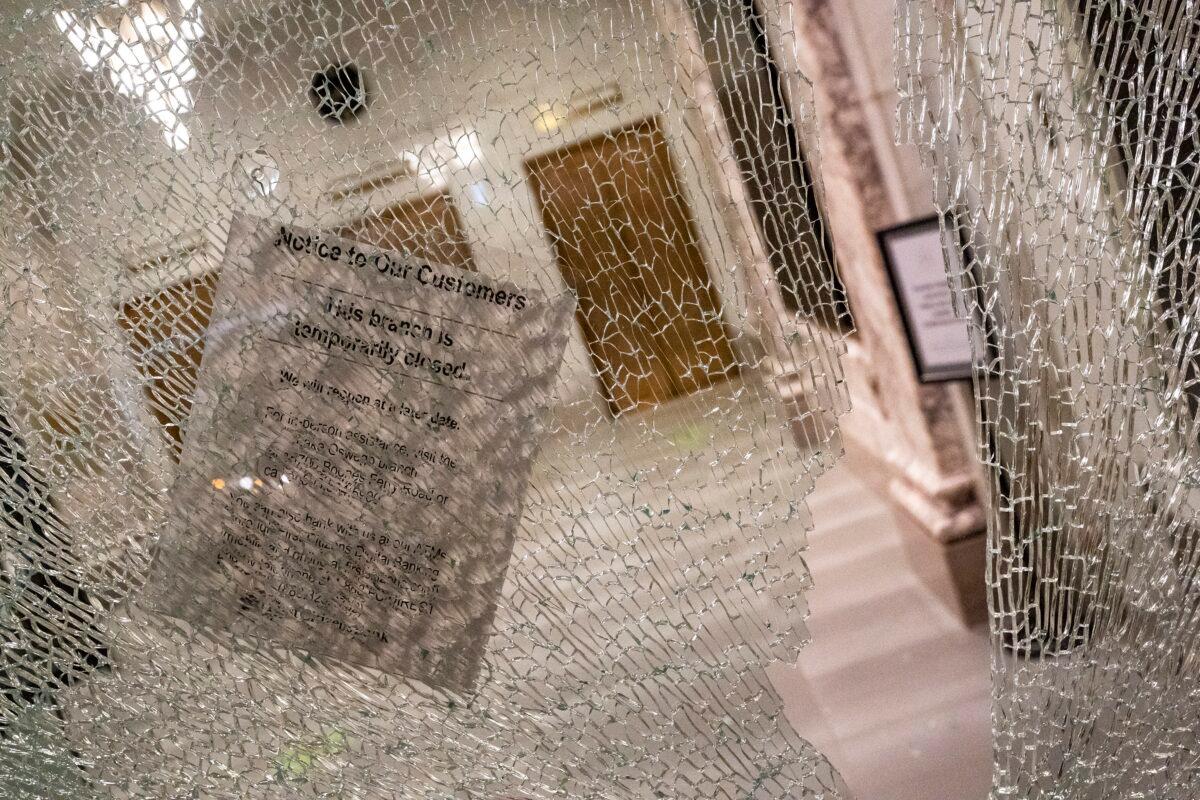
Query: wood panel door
x,y
626,245
166,334
427,228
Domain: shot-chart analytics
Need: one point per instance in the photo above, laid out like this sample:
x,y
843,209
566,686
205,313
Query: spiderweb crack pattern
x,y
1063,138
598,146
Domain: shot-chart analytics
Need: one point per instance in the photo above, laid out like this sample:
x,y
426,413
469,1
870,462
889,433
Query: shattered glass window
x,y
1063,141
407,399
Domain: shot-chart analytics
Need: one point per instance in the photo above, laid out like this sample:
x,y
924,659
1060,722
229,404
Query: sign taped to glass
x,y
358,453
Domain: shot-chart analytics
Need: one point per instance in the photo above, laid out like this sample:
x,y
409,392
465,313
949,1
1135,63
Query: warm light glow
x,y
466,148
547,119
456,151
146,54
218,484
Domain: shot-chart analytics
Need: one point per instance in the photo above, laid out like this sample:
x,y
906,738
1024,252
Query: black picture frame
x,y
929,370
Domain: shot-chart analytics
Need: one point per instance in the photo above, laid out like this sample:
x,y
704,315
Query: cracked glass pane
x,y
407,399
1063,136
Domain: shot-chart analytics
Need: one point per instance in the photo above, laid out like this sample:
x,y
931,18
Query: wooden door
x,y
427,228
626,245
166,334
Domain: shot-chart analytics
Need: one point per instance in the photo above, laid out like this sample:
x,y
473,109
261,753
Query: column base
x,y
943,528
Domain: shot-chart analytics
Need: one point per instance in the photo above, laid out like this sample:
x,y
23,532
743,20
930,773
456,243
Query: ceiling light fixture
x,y
145,50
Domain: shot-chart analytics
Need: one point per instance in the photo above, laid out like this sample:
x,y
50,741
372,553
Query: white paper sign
x,y
940,338
358,453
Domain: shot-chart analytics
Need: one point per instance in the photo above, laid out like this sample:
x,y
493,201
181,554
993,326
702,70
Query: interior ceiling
x,y
43,50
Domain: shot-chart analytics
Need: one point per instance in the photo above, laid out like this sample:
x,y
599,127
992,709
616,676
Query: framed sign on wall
x,y
938,335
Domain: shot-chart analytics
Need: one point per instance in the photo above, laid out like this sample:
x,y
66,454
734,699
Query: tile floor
x,y
893,689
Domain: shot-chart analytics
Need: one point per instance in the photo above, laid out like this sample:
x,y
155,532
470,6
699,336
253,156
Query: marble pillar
x,y
916,440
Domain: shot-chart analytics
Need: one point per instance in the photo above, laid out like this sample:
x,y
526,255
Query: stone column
x,y
915,439
704,111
